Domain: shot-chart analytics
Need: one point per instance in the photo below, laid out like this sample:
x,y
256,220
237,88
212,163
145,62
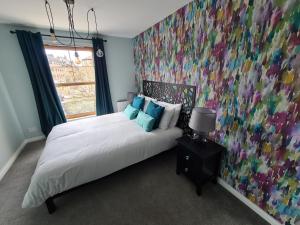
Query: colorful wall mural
x,y
244,58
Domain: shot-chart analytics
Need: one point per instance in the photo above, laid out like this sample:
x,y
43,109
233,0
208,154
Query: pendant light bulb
x,y
52,35
77,58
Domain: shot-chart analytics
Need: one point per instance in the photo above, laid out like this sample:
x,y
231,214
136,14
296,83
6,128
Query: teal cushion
x,y
138,102
156,111
145,121
131,112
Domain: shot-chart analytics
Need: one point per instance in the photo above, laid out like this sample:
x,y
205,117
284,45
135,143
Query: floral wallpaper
x,y
244,58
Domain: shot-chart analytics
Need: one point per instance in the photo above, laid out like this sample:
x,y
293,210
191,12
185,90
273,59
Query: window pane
x,y
74,80
77,99
65,70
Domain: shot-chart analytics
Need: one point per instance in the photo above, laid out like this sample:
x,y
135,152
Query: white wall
x,y
11,135
119,57
15,75
120,67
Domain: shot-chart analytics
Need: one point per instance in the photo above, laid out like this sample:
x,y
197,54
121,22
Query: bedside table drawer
x,y
184,157
187,162
200,161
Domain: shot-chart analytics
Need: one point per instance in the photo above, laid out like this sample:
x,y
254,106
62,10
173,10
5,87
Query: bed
x,y
85,150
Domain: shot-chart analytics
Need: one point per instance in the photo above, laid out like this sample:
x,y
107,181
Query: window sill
x,y
80,118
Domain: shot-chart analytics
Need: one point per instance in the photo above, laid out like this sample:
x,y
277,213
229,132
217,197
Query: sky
x,y
62,53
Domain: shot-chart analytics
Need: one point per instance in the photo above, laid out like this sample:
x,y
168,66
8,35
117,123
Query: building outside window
x,y
74,79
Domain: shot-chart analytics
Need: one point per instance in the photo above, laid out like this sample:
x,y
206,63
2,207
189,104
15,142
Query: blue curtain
x,y
103,98
48,104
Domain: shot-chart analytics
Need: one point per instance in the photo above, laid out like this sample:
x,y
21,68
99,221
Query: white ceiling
x,y
121,18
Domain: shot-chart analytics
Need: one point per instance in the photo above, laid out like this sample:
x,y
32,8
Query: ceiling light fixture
x,y
73,34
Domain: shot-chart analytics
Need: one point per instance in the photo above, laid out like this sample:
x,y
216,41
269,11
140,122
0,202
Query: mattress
x,y
85,150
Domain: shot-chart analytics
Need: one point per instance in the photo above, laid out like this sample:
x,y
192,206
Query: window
x,y
74,80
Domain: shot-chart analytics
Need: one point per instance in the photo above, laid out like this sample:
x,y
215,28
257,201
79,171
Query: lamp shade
x,y
203,120
130,96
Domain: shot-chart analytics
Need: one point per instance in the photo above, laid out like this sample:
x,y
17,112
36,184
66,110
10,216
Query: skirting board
x,y
247,202
15,155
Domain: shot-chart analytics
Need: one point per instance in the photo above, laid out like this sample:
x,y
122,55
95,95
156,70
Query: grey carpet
x,y
147,193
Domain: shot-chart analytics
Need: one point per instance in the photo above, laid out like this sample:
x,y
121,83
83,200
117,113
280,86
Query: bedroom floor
x,y
147,193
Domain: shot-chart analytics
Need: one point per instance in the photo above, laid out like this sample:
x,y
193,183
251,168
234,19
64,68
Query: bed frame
x,y
167,92
175,94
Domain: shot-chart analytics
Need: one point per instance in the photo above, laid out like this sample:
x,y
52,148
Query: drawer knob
x,y
186,169
187,157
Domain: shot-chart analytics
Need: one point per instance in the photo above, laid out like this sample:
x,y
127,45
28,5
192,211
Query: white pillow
x,y
175,117
167,116
177,109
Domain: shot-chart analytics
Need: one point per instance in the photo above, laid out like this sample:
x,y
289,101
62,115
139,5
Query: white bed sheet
x,y
85,150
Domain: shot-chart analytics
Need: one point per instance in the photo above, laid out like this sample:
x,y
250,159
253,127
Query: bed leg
x,y
50,205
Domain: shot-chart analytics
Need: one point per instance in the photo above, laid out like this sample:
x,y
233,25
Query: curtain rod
x,y
59,36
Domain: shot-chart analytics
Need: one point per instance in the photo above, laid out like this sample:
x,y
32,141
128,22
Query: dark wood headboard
x,y
175,94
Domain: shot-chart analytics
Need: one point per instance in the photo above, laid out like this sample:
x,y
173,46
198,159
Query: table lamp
x,y
202,121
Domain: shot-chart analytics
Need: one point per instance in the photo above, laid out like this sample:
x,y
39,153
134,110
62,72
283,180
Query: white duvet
x,y
85,150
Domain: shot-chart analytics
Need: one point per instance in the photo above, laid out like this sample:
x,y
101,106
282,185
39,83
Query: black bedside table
x,y
200,161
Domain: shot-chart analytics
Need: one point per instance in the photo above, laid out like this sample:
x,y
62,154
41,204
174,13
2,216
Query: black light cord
x,y
49,14
72,30
88,24
71,24
95,22
52,25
